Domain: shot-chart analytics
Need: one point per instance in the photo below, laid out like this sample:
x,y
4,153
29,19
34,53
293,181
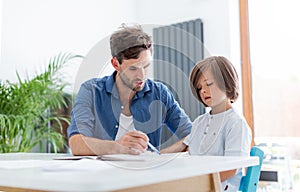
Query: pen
x,y
153,148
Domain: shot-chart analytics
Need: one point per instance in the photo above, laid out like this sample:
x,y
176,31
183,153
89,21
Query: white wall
x,y
0,29
34,30
217,17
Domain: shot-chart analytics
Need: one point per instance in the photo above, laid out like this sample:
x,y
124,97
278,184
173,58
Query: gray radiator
x,y
177,48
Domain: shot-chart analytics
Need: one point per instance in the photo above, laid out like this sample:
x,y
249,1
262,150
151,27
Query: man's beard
x,y
125,80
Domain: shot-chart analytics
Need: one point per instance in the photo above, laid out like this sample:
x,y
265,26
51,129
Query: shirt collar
x,y
110,82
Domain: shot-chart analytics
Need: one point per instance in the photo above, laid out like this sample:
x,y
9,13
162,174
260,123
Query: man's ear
x,y
115,63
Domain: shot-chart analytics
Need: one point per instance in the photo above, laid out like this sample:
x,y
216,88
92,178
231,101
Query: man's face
x,y
133,72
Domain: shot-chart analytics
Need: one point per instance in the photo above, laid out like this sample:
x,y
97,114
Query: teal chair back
x,y
249,182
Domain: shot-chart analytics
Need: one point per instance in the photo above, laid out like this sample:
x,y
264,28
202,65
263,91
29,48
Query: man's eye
x,y
146,66
132,68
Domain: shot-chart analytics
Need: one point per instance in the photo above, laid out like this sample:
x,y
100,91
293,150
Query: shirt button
x,y
116,126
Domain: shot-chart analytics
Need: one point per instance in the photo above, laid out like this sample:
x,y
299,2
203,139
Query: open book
x,y
114,157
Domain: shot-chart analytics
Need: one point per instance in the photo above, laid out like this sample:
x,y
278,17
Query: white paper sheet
x,y
93,163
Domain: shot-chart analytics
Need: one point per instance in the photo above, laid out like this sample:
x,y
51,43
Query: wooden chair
x,y
249,182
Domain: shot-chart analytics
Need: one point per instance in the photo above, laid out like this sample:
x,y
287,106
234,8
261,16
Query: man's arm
x,y
179,146
133,142
176,119
82,145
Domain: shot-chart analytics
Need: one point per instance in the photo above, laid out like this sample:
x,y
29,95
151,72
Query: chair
x,y
249,182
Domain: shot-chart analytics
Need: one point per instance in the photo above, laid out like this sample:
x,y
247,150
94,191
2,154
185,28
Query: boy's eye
x,y
209,84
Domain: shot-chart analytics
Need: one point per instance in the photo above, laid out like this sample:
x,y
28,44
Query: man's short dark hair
x,y
129,42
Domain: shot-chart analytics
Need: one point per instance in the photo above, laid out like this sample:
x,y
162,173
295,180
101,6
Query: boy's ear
x,y
115,63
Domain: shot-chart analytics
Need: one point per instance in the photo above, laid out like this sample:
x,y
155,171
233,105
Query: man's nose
x,y
141,72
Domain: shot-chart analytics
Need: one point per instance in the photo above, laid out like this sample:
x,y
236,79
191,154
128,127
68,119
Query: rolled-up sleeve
x,y
176,118
82,113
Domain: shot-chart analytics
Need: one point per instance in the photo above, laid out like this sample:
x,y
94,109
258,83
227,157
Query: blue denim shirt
x,y
97,110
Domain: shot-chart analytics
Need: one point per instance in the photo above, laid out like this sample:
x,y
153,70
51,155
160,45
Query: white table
x,y
38,172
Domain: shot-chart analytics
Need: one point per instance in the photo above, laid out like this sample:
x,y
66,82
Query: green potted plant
x,y
28,109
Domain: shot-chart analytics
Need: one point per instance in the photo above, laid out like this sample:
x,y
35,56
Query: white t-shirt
x,y
125,124
223,134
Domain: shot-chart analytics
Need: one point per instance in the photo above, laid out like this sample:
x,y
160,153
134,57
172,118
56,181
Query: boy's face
x,y
209,91
133,72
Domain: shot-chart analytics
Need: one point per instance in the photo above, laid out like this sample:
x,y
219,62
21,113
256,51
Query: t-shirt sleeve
x,y
238,139
187,140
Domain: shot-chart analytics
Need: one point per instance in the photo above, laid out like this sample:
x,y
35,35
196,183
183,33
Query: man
x,y
121,113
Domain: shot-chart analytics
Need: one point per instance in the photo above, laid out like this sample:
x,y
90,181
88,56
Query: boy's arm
x,y
224,175
176,147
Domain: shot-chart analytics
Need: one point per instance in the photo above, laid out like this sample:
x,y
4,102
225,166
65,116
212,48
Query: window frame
x,y
246,66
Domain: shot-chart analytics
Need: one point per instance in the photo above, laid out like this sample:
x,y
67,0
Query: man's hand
x,y
121,149
135,140
82,145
